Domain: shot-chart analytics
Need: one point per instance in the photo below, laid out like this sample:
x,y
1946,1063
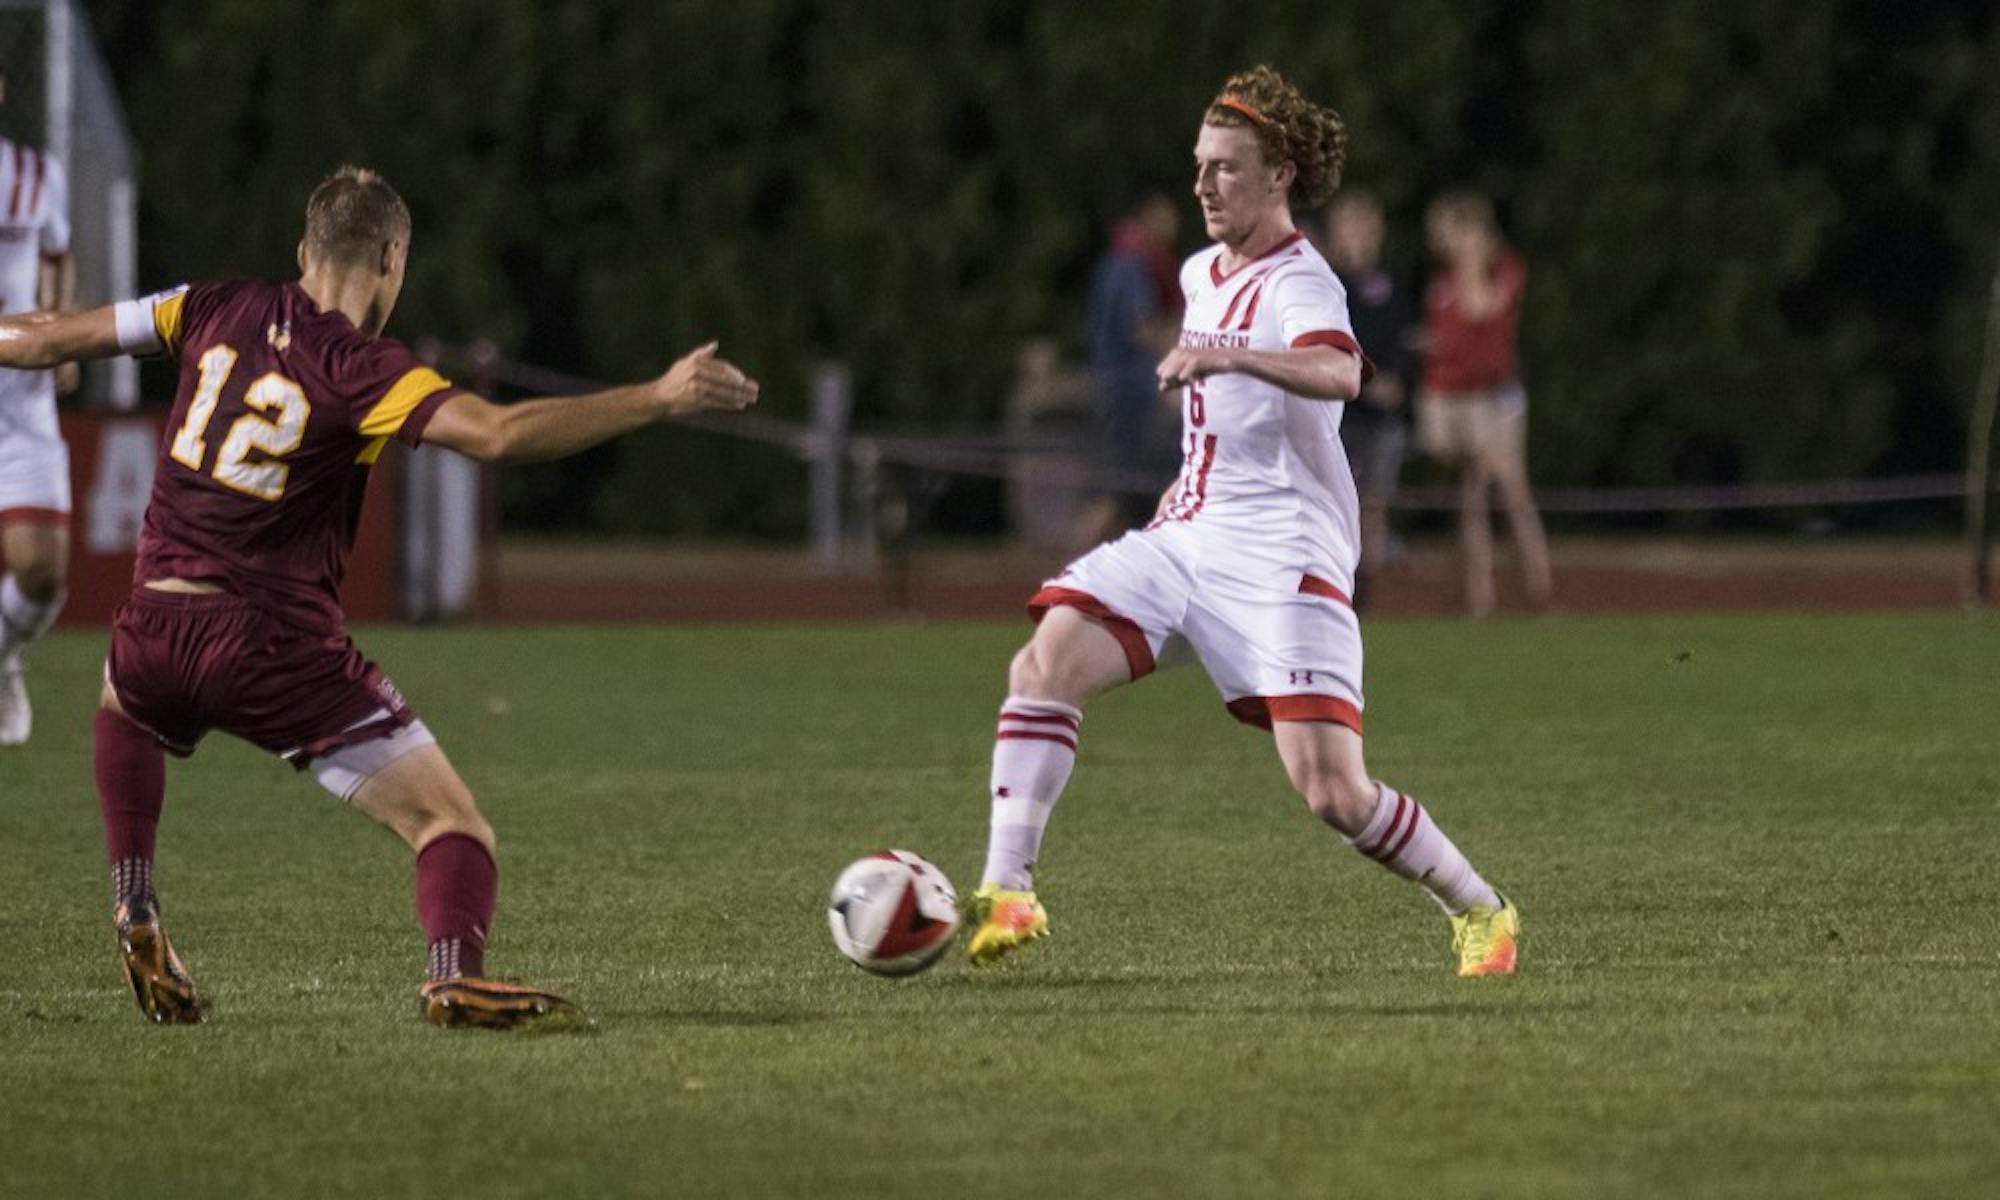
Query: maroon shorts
x,y
185,664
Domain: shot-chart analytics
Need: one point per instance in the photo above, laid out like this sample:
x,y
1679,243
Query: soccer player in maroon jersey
x,y
288,392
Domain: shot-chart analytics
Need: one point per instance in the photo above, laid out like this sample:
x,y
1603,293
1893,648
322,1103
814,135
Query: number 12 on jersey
x,y
275,435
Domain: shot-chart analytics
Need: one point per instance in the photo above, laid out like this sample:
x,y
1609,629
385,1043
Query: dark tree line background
x,y
1759,234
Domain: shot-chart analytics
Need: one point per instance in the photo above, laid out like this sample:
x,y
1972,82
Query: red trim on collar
x,y
1215,272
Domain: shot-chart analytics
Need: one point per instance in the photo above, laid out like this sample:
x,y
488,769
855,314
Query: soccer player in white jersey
x,y
1250,561
36,272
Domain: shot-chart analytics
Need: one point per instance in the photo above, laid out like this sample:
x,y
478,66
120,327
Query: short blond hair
x,y
352,214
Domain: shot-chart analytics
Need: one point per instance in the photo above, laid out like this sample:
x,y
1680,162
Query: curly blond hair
x,y
1290,127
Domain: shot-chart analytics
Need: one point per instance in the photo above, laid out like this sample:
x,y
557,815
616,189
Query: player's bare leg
x,y
36,552
1510,474
420,797
1475,537
131,789
1325,763
1072,657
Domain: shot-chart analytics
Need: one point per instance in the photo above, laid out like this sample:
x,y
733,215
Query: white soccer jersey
x,y
1261,466
34,224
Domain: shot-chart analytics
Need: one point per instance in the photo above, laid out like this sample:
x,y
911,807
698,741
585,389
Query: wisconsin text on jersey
x,y
1247,445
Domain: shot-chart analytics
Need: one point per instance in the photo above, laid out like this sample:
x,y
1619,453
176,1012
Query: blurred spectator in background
x,y
1375,428
1472,413
1134,320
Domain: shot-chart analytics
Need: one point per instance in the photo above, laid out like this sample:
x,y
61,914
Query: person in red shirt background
x,y
1472,412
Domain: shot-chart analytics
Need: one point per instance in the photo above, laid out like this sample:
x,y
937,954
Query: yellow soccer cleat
x,y
159,981
1003,921
465,1002
1485,939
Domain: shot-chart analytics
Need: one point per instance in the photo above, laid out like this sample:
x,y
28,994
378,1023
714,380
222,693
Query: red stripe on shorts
x,y
1261,711
1313,585
1131,639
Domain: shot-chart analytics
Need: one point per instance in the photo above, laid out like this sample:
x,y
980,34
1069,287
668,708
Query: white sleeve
x,y
138,324
1312,311
1309,303
55,208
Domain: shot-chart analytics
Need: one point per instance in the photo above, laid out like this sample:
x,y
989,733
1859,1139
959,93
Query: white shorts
x,y
34,463
1279,642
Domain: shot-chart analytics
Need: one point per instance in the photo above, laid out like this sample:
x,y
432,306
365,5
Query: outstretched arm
x,y
1315,372
552,428
33,341
55,288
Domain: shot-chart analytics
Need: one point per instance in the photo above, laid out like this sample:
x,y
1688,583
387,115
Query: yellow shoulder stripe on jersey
x,y
167,321
372,451
400,400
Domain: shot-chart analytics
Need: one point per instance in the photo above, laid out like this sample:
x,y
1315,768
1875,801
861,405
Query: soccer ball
x,y
892,913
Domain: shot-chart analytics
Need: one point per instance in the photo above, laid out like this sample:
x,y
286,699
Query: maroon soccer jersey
x,y
280,412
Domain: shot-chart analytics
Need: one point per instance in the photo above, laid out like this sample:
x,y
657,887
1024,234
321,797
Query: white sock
x,y
22,620
1402,837
1032,756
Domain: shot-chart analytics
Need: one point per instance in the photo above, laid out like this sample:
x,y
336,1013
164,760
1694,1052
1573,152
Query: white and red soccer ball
x,y
892,913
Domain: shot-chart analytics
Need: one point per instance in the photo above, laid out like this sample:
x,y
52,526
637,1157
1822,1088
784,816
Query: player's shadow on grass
x,y
1116,995
1139,993
1484,1010
728,1019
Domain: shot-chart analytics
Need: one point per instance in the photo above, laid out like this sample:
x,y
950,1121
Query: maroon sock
x,y
458,885
131,788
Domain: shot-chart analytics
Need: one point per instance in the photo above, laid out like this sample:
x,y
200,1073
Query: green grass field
x,y
1757,860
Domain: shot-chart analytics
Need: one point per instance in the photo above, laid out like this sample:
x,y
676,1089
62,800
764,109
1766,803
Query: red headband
x,y
1232,102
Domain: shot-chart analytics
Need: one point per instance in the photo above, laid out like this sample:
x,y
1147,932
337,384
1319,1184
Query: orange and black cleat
x,y
463,1002
160,983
